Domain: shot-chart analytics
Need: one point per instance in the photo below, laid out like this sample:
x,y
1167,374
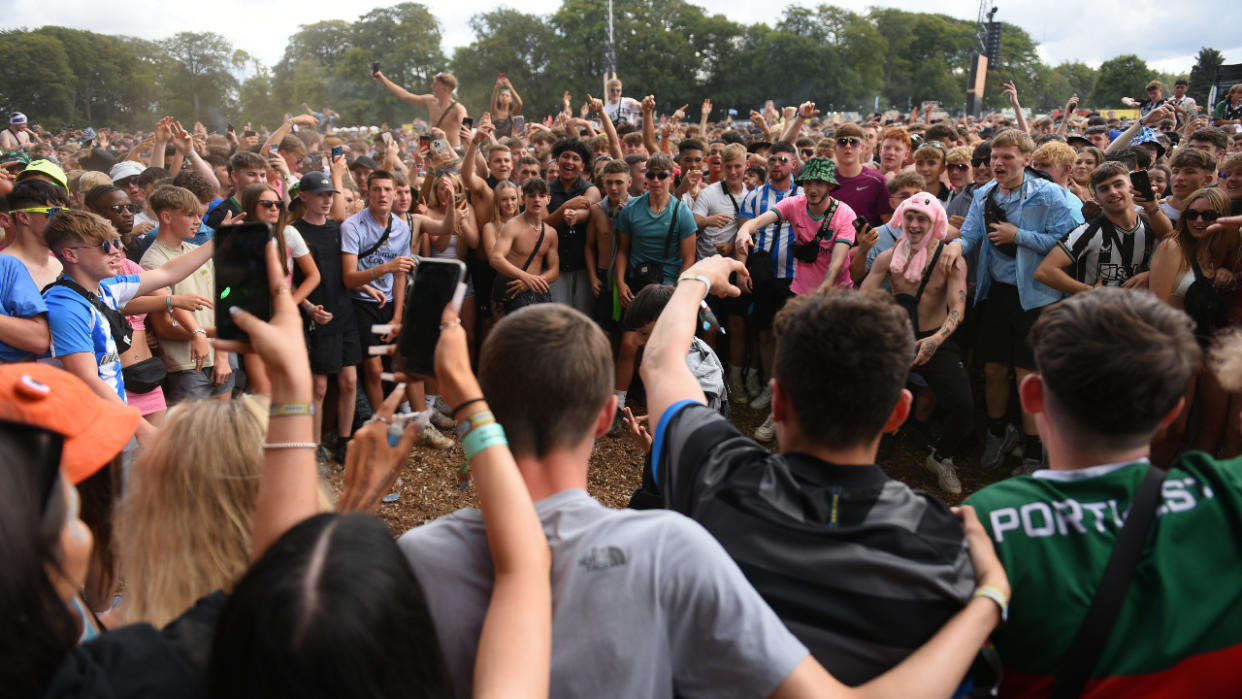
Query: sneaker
x,y
338,451
1028,467
442,421
753,385
431,437
763,400
737,390
996,448
618,424
946,473
441,406
767,431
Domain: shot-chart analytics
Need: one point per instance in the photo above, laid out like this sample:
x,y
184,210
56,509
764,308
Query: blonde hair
x,y
1056,152
183,528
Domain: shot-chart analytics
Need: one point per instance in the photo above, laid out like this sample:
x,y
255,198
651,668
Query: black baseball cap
x,y
315,182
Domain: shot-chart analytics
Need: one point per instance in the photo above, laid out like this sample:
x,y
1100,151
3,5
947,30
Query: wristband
x,y
484,437
290,445
996,596
468,425
292,409
697,277
196,331
169,306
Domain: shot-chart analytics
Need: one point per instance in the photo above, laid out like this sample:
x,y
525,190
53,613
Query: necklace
x,y
655,211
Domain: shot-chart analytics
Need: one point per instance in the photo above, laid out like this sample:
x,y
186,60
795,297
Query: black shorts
x,y
601,308
1004,328
331,353
729,306
769,298
482,275
367,314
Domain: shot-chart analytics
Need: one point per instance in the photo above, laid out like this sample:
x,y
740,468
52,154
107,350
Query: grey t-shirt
x,y
643,602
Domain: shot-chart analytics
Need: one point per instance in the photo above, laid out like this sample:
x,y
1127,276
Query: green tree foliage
x,y
1123,76
520,45
196,81
36,77
1203,74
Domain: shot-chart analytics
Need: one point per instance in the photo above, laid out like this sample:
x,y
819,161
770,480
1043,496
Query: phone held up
x,y
468,122
519,124
240,262
337,151
1141,183
434,286
374,67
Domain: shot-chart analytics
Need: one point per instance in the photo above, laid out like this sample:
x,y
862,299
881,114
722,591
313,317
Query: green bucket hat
x,y
822,169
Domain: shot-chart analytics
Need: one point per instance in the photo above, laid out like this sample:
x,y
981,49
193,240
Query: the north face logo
x,y
602,558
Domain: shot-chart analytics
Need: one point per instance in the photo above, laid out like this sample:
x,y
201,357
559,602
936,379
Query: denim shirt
x,y
1042,216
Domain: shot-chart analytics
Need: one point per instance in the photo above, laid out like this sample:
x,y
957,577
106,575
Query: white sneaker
x,y
753,385
431,437
946,473
763,400
767,431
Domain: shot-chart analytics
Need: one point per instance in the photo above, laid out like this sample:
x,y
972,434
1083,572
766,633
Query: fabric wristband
x,y
488,435
292,409
469,424
996,596
697,277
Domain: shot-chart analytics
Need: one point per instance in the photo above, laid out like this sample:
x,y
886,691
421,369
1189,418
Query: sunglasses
x,y
122,208
849,142
271,204
781,159
663,175
50,211
958,167
614,89
107,245
978,162
1209,215
807,153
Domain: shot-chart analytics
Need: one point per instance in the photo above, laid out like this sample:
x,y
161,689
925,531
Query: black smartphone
x,y
274,151
468,122
240,262
435,282
230,128
337,151
249,133
1142,184
860,224
374,68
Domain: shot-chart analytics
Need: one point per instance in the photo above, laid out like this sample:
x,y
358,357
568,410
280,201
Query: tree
x,y
1080,76
36,78
522,46
1203,74
197,84
1123,76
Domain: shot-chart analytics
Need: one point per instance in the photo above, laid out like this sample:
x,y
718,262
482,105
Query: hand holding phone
x,y
468,122
241,276
375,69
519,124
1141,183
436,284
337,151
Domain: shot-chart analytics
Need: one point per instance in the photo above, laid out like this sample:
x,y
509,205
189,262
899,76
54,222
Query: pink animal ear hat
x,y
912,259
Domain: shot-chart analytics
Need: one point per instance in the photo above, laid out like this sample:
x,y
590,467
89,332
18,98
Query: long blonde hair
x,y
183,528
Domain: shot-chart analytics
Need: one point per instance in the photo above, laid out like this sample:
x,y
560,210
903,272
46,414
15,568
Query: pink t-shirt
x,y
808,277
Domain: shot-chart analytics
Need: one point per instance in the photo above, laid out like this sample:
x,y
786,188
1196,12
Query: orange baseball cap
x,y
95,429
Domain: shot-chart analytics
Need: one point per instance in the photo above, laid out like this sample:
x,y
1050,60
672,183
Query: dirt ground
x,y
428,488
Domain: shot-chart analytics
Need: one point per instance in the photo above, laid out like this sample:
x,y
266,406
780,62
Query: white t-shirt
x,y
713,200
295,244
627,108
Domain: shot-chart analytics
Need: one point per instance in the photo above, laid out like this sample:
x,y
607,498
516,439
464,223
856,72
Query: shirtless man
x,y
936,300
446,113
602,240
31,204
524,256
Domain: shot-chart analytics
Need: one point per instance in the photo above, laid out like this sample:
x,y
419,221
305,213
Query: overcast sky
x,y
1167,34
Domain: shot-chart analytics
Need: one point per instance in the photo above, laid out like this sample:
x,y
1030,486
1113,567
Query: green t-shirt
x,y
1180,629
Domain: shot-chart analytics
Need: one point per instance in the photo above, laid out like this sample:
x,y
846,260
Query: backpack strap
x,y
538,244
444,114
383,239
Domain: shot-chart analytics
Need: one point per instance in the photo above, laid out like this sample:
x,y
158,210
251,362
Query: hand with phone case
x,y
435,284
241,276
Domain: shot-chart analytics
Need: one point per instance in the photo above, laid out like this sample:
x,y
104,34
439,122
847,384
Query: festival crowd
x,y
1050,305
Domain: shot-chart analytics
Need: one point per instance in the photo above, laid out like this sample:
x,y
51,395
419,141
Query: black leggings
x,y
946,377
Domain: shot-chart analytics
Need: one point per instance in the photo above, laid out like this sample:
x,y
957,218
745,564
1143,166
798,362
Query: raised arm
x,y
704,114
649,134
1011,90
184,143
401,93
1070,106
614,143
176,269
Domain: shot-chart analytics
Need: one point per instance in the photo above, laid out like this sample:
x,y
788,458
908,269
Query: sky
x,y
1165,33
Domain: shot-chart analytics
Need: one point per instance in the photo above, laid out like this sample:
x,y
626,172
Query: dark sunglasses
x,y
663,175
781,159
978,162
122,208
1209,215
268,203
807,153
849,142
107,245
959,167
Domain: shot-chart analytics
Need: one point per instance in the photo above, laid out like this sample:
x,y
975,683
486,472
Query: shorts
x,y
1004,328
769,299
601,309
194,385
481,275
331,353
367,314
729,306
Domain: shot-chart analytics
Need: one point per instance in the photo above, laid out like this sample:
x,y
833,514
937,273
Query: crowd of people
x,y
1060,291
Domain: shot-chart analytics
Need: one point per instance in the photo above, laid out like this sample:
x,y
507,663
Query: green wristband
x,y
482,437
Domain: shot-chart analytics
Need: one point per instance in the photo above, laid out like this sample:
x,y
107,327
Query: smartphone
x,y
435,283
468,122
424,141
337,151
519,125
860,224
1142,184
274,151
374,68
240,262
440,147
230,128
248,134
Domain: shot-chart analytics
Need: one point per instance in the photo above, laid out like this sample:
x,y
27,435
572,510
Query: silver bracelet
x,y
290,445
